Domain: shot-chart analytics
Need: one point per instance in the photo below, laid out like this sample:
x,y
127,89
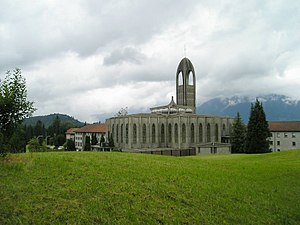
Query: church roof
x,y
172,107
185,65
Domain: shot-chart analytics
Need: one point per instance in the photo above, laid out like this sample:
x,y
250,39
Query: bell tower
x,y
186,84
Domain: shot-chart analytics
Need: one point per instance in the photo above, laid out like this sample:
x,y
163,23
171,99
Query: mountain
x,y
277,107
48,119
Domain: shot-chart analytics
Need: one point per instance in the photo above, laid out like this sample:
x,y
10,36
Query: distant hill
x,y
277,107
48,119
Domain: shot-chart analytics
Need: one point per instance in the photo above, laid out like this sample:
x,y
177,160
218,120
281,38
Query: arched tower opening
x,y
186,89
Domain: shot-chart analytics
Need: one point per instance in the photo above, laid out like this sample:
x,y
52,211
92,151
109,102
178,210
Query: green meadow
x,y
127,188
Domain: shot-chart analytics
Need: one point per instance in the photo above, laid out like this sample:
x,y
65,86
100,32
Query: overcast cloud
x,y
90,58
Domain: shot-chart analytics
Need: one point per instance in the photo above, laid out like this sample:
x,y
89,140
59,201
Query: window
x,y
153,133
285,135
271,134
117,138
121,133
170,133
162,133
183,135
208,133
126,133
216,133
278,143
134,134
192,133
271,142
278,135
294,143
176,133
293,135
200,133
144,133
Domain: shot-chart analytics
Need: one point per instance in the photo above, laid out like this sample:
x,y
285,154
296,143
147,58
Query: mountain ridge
x,y
277,107
48,119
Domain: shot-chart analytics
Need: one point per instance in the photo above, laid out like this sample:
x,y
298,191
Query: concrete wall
x,y
213,128
280,141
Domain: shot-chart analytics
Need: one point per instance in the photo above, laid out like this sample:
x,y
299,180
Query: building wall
x,y
280,141
129,131
80,138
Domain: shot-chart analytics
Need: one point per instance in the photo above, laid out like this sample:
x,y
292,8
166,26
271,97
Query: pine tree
x,y
87,145
257,130
238,135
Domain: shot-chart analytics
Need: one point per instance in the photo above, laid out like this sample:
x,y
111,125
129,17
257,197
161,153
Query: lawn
x,y
127,188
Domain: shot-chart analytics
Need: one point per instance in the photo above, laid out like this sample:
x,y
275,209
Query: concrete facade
x,y
177,131
284,135
173,126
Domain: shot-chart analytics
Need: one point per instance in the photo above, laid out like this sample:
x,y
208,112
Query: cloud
x,y
90,58
128,54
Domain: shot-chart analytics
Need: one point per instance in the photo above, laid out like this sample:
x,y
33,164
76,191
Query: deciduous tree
x,y
14,106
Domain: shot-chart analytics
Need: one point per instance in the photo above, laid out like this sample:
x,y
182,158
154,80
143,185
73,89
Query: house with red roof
x,y
80,134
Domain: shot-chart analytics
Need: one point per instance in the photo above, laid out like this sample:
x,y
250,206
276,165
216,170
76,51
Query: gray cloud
x,y
128,54
88,58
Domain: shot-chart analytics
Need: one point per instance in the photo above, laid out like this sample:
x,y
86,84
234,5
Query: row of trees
x,y
252,138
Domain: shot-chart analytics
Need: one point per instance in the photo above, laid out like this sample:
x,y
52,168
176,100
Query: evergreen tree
x,y
111,140
94,139
87,145
102,140
238,135
70,145
257,130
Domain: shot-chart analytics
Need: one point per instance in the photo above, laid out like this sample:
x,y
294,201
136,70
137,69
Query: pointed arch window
x,y
200,133
183,135
208,133
134,134
162,133
153,133
192,133
176,132
216,133
121,133
144,133
126,133
170,133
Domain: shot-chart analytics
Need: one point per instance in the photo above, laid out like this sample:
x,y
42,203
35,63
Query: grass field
x,y
126,188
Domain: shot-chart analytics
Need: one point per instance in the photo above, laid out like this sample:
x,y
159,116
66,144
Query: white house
x,y
89,130
284,135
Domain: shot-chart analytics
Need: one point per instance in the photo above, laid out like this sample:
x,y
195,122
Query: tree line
x,y
14,108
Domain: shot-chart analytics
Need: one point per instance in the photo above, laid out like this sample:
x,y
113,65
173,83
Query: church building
x,y
175,126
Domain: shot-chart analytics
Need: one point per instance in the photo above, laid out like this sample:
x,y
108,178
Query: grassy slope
x,y
87,187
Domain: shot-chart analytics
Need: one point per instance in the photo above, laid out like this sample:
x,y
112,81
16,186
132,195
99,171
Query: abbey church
x,y
175,126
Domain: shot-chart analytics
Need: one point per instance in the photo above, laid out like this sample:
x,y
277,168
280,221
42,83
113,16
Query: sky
x,y
90,58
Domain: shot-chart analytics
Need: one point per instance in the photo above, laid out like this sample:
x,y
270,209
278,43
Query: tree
x,y
111,140
238,135
94,139
257,130
70,145
35,146
59,140
14,106
102,140
87,145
